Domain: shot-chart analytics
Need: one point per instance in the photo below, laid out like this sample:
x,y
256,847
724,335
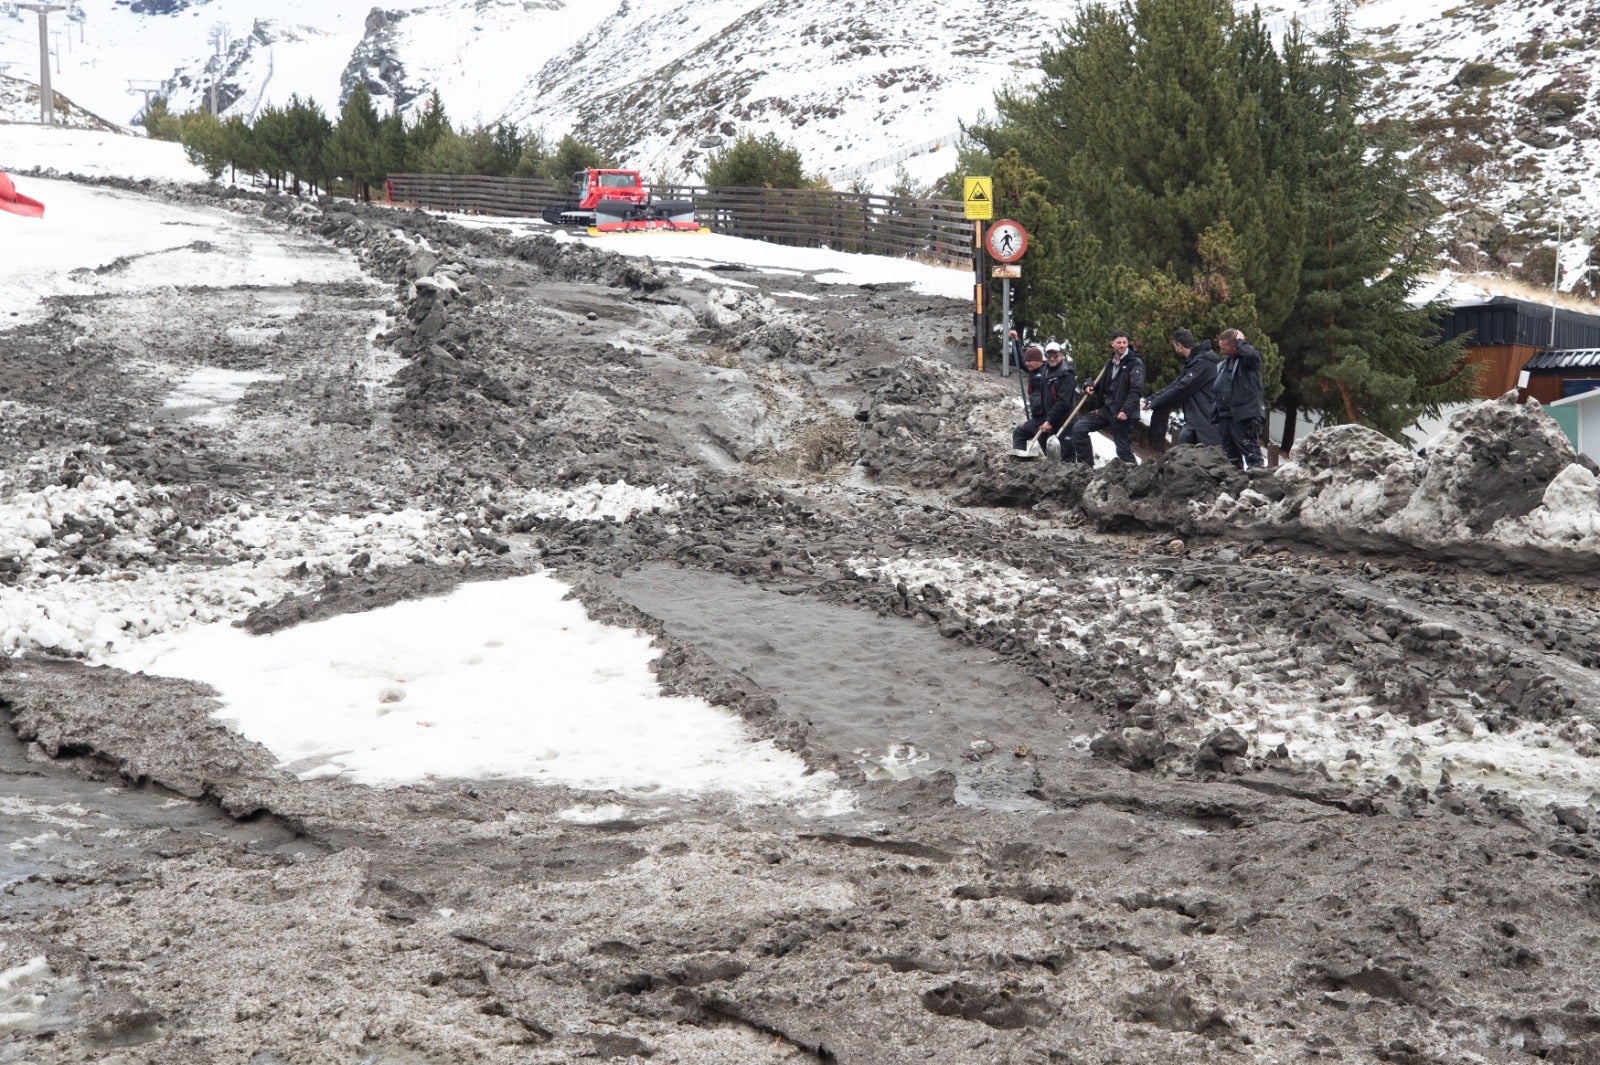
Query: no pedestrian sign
x,y
979,198
1006,241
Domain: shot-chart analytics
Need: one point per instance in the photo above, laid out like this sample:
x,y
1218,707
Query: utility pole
x,y
1555,285
47,111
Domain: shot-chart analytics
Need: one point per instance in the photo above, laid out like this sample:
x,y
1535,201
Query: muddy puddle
x,y
889,697
61,832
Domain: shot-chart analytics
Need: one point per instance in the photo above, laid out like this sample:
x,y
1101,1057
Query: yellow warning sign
x,y
979,198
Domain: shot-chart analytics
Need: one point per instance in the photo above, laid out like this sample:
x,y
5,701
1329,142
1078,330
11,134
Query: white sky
x,y
441,688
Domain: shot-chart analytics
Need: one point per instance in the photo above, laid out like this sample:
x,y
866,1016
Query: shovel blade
x,y
1053,447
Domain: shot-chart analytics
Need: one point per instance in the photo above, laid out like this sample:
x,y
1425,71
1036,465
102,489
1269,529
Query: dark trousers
x,y
1192,432
1025,432
1157,436
1093,422
1241,440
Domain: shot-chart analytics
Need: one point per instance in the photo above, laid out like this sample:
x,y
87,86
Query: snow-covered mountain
x,y
1504,89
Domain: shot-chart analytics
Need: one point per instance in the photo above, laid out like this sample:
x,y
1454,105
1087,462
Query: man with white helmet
x,y
1060,389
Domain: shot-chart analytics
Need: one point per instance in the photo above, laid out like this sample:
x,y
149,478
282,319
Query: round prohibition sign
x,y
1006,241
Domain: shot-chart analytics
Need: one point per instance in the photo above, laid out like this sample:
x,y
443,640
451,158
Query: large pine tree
x,y
1145,130
1241,187
1355,349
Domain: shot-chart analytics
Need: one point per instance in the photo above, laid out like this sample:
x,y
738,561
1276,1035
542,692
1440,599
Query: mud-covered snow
x,y
449,643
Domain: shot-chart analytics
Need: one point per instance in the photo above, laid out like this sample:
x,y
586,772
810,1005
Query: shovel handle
x,y
1085,398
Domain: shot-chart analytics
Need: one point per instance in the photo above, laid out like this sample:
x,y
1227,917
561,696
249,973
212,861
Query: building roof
x,y
1506,320
1562,360
1584,399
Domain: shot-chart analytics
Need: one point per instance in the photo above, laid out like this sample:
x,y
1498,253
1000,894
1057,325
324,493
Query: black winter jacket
x,y
1238,389
1121,391
1034,384
1060,392
1193,389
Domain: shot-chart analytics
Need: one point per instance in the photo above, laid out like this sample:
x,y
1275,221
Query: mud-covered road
x,y
1145,766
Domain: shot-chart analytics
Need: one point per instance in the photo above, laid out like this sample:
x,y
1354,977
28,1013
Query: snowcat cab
x,y
617,201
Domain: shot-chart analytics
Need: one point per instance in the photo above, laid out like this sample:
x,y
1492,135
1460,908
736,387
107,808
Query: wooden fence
x,y
855,222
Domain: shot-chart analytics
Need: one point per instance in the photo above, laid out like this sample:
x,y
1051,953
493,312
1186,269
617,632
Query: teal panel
x,y
1567,418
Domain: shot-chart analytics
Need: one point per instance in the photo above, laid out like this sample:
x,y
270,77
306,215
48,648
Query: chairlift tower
x,y
150,89
47,111
218,38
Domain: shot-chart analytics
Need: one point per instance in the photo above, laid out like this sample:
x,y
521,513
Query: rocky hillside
x,y
1500,93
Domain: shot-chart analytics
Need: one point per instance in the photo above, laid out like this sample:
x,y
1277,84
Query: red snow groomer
x,y
617,201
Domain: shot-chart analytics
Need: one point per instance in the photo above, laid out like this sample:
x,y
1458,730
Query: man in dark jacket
x,y
1060,390
1033,391
1192,390
1119,386
1240,400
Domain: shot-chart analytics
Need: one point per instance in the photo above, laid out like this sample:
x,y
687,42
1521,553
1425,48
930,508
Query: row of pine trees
x,y
296,146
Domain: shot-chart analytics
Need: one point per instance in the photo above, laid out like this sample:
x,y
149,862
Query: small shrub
x,y
1554,104
1476,75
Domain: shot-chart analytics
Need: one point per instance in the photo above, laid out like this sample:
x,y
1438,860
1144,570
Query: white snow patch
x,y
502,680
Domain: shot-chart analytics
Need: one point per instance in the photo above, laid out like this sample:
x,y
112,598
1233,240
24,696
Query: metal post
x,y
1005,327
219,40
977,292
1555,285
47,111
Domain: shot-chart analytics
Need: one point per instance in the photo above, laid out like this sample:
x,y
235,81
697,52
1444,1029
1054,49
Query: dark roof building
x,y
1505,336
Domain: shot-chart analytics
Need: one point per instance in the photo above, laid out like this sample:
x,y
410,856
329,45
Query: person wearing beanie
x,y
1034,397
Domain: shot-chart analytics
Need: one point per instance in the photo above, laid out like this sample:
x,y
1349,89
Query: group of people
x,y
1218,391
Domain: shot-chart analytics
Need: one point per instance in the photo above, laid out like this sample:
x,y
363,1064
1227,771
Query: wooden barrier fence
x,y
845,221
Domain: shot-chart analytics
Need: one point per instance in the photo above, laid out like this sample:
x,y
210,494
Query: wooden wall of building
x,y
1501,364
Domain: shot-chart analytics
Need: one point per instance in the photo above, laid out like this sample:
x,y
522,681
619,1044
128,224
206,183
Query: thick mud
x,y
1147,765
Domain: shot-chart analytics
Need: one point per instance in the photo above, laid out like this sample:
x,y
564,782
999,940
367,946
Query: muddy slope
x,y
1132,782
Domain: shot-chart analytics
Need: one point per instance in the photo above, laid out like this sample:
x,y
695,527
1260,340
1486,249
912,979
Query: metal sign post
x,y
978,200
1006,242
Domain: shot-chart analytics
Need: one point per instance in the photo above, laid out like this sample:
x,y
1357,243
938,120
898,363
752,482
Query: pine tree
x,y
239,146
1145,130
309,130
392,142
1355,348
1210,301
1068,291
354,151
204,142
429,125
273,135
571,156
756,162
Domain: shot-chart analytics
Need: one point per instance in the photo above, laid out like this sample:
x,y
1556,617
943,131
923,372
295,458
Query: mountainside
x,y
1501,92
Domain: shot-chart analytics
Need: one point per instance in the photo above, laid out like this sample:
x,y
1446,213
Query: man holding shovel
x,y
1025,437
1118,388
1060,388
